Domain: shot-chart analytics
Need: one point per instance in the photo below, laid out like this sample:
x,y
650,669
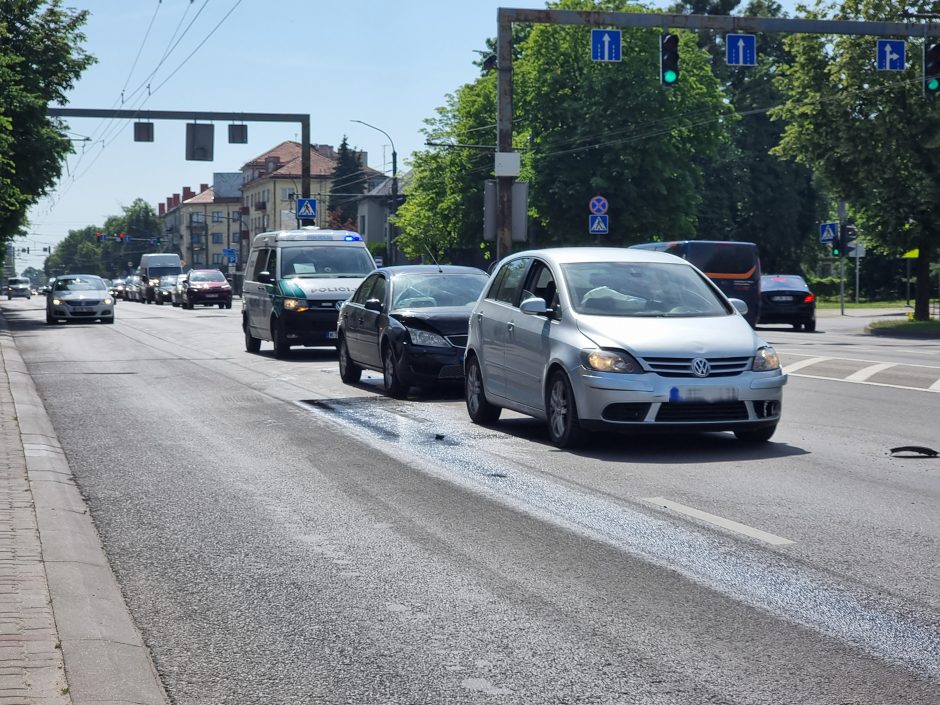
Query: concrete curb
x,y
104,654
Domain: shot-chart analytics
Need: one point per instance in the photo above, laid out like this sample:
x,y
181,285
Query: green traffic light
x,y
933,84
669,76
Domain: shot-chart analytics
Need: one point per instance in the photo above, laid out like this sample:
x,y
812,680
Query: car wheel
x,y
349,371
479,409
189,305
810,326
279,338
50,320
756,435
564,428
393,385
252,344
798,325
108,320
158,302
176,304
228,305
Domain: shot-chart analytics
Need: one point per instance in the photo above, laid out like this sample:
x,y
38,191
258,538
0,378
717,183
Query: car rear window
x,y
783,281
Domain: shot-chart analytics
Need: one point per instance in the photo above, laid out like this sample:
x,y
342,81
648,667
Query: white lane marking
x,y
813,360
933,388
870,371
719,521
790,369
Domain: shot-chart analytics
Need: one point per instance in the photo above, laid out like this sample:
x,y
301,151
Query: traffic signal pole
x,y
506,16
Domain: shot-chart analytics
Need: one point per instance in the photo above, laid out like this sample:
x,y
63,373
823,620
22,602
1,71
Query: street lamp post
x,y
394,206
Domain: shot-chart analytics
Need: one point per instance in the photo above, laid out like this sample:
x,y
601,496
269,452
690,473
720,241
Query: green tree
x,y
80,251
752,194
869,134
40,59
347,182
34,275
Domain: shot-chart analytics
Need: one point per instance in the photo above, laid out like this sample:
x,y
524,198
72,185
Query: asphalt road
x,y
283,538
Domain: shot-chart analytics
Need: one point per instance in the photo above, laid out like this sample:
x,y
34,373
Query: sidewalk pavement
x,y
66,635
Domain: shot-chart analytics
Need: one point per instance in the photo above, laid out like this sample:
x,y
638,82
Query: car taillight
x,y
808,299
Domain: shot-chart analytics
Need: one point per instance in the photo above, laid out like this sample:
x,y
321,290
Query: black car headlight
x,y
427,338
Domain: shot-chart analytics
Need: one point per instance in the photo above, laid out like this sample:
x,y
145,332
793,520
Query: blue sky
x,y
388,63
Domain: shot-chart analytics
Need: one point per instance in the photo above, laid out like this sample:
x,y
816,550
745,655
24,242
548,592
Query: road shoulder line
x,y
729,524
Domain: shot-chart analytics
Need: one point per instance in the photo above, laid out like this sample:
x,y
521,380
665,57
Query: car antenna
x,y
433,259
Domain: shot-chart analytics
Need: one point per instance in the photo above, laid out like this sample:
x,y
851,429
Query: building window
x,y
287,194
217,239
216,216
196,218
217,258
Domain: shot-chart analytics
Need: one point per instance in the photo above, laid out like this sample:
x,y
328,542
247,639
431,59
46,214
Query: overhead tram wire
x,y
107,140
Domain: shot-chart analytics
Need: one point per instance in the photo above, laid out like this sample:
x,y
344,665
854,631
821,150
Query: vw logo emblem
x,y
339,305
700,367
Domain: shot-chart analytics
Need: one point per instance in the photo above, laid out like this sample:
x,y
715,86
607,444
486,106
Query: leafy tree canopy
x,y
40,59
871,135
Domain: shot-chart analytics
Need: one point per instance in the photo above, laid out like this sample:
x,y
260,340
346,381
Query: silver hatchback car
x,y
592,338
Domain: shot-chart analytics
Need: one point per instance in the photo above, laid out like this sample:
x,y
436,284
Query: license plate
x,y
331,335
781,298
709,394
212,296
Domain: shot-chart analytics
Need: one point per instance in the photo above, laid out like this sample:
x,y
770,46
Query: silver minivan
x,y
593,339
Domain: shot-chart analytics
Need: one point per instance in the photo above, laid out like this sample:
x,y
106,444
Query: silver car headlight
x,y
57,302
423,337
766,360
108,302
611,361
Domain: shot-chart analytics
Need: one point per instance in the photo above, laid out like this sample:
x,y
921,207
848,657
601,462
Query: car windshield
x,y
168,280
79,284
783,281
436,289
325,262
211,276
640,289
18,282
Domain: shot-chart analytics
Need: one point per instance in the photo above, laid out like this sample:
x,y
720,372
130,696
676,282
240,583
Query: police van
x,y
295,282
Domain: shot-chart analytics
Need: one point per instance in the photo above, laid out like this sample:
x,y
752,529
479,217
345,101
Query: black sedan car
x,y
786,298
410,323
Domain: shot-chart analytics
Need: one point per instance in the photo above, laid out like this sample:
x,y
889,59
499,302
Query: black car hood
x,y
449,320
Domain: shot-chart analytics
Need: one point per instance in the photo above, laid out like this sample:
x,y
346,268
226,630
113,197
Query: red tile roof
x,y
288,154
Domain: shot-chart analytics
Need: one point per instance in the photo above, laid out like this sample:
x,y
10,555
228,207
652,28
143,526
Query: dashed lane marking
x,y
793,367
720,521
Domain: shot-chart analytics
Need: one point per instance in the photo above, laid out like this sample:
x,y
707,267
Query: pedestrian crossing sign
x,y
307,208
597,224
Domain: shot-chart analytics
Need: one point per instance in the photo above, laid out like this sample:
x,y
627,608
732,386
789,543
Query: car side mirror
x,y
534,307
265,278
740,306
374,305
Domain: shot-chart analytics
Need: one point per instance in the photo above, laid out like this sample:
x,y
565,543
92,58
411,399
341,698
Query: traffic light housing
x,y
120,237
838,245
932,69
98,237
669,59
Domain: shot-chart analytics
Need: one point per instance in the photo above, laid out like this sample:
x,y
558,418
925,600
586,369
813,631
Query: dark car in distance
x,y
206,287
410,323
786,298
163,291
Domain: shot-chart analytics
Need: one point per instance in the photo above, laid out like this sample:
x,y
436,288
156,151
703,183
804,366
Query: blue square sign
x,y
890,55
307,208
605,45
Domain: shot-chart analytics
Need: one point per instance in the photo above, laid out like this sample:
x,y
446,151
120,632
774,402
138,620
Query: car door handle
x,y
479,318
510,326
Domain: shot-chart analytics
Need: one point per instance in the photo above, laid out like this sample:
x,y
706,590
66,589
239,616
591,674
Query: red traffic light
x,y
98,237
121,237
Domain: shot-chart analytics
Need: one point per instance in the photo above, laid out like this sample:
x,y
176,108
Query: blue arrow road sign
x,y
827,232
741,49
597,224
605,45
307,208
890,55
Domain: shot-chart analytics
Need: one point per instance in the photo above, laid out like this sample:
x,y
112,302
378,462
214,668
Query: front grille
x,y
627,411
451,372
703,411
82,303
84,313
682,366
458,341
